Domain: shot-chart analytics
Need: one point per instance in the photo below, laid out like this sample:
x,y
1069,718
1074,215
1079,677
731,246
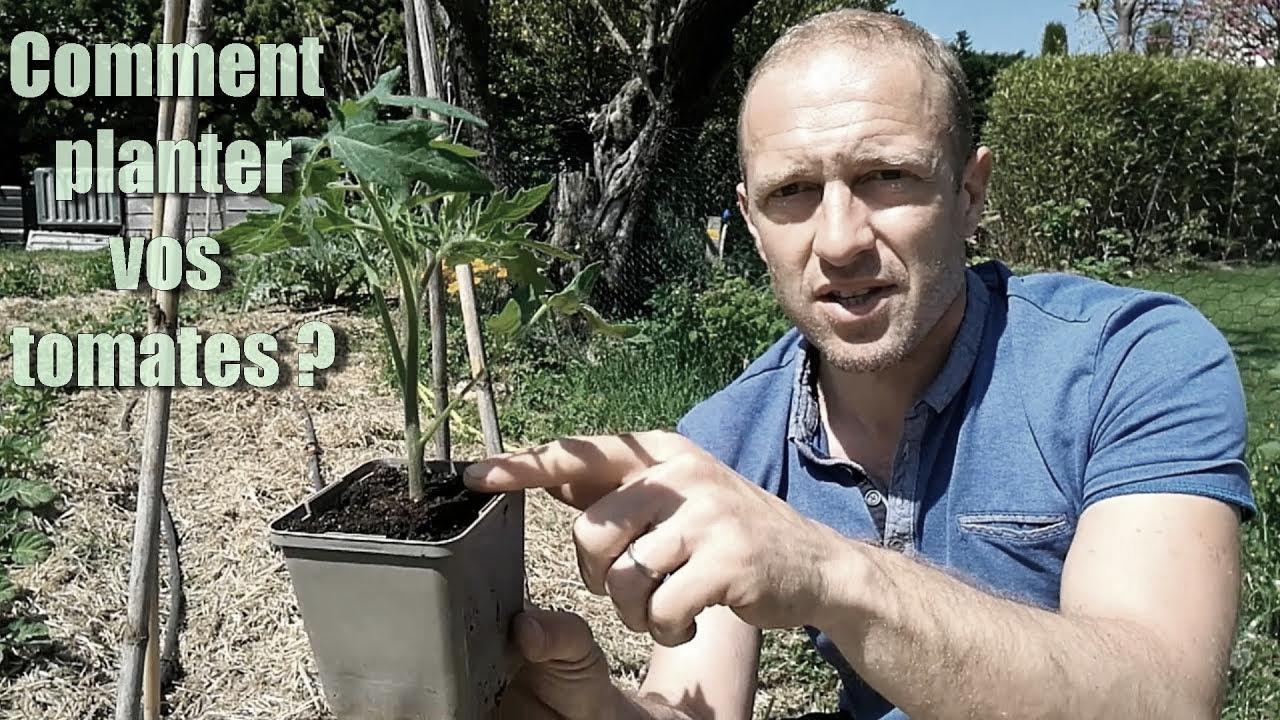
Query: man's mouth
x,y
852,299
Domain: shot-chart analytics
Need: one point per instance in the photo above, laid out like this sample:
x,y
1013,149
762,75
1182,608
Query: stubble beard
x,y
909,323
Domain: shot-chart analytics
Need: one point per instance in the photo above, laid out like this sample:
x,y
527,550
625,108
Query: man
x,y
984,496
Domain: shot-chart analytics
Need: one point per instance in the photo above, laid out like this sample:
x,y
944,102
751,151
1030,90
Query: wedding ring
x,y
644,569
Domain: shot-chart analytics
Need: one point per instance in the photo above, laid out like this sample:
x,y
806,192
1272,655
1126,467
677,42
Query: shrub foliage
x,y
1153,157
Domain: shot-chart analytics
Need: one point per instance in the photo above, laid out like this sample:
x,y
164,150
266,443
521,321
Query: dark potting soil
x,y
378,504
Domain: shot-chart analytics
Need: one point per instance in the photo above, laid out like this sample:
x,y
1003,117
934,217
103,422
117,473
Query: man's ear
x,y
744,208
973,196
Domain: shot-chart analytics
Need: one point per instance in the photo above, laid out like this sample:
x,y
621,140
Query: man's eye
x,y
889,175
791,189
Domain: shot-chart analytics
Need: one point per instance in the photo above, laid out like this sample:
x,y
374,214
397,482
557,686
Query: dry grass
x,y
236,460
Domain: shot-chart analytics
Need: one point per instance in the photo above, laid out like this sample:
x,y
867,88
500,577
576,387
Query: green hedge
x,y
1136,157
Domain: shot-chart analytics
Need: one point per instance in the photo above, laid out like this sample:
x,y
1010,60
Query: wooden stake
x,y
433,87
176,121
417,20
151,664
439,358
429,56
169,660
475,354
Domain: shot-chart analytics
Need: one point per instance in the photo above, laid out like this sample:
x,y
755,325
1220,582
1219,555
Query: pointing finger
x,y
577,470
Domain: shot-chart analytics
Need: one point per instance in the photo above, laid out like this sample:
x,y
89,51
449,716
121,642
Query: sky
x,y
1002,25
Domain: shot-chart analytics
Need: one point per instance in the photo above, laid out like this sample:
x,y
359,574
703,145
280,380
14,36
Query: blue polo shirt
x,y
1058,392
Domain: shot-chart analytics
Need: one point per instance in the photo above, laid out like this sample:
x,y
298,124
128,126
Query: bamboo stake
x,y
439,358
176,121
415,42
151,663
466,282
411,51
475,354
169,661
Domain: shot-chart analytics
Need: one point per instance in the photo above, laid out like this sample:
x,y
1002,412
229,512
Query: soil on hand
x,y
378,504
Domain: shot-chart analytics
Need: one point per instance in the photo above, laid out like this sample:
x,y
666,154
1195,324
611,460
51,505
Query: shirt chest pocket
x,y
1014,554
1016,527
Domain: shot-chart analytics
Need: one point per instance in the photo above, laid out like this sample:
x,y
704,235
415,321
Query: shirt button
x,y
873,498
896,544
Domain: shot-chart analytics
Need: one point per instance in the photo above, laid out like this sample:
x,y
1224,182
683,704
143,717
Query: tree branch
x,y
612,28
639,65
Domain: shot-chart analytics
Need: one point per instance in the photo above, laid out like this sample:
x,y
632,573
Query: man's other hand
x,y
565,675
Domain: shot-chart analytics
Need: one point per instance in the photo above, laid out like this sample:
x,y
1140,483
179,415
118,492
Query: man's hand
x,y
717,538
565,676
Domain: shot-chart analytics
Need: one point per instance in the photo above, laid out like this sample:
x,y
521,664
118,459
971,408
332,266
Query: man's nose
x,y
844,230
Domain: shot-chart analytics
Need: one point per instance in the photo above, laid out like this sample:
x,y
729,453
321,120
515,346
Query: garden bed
x,y
236,460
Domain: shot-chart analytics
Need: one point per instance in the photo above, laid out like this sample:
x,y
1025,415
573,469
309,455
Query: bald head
x,y
877,35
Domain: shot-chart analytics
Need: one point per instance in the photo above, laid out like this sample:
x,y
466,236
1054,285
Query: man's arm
x,y
712,677
1148,607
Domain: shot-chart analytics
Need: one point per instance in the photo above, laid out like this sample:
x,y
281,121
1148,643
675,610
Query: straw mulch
x,y
236,460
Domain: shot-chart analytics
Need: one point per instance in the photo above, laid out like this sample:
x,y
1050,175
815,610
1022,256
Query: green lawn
x,y
1245,305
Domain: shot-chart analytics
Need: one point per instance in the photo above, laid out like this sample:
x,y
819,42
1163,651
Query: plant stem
x,y
440,417
409,367
384,312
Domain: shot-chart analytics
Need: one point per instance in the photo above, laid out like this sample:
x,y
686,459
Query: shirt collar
x,y
805,411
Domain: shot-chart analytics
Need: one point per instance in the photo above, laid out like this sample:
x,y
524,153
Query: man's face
x,y
851,195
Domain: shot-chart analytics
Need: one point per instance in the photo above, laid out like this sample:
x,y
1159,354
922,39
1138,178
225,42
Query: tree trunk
x,y
684,51
466,68
1124,31
685,46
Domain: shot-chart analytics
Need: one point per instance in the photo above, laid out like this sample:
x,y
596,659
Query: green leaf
x,y
22,631
466,251
599,325
8,592
384,87
586,278
565,302
301,147
28,547
13,519
322,172
549,249
396,154
1274,373
452,211
501,209
508,321
335,113
433,105
1269,452
27,493
456,149
356,112
570,299
383,93
259,233
524,268
429,198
